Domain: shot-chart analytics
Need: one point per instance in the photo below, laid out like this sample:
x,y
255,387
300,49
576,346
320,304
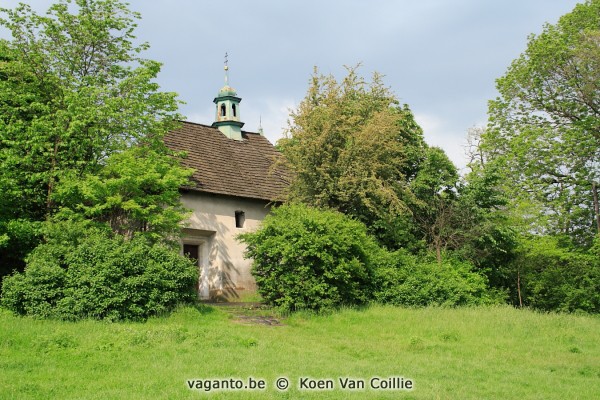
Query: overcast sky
x,y
441,57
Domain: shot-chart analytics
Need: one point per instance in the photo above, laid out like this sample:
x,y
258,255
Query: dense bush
x,y
99,275
17,238
554,276
404,280
304,258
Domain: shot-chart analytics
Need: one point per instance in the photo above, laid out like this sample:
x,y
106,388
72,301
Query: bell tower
x,y
227,118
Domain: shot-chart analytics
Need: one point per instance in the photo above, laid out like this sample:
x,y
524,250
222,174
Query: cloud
x,y
273,112
437,133
440,56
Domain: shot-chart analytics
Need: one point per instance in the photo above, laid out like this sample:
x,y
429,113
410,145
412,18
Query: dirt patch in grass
x,y
251,313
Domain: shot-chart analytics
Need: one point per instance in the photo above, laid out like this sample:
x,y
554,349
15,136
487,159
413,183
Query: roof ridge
x,y
210,126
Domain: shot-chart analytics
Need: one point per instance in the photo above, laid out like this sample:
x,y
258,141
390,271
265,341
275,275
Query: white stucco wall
x,y
224,273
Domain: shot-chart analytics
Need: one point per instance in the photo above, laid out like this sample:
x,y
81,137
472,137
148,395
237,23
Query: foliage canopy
x,y
85,174
544,131
352,148
73,90
77,105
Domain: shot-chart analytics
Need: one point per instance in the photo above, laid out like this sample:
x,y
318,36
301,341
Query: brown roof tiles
x,y
226,166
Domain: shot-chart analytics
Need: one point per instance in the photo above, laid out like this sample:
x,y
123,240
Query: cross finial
x,y
226,69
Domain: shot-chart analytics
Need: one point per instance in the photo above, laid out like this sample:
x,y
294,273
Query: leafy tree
x,y
85,90
74,90
352,148
435,207
544,131
543,140
464,216
488,239
135,192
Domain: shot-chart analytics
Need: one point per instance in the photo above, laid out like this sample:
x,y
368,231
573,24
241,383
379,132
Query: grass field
x,y
470,353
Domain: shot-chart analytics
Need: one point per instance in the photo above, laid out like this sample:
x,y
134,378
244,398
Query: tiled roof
x,y
226,166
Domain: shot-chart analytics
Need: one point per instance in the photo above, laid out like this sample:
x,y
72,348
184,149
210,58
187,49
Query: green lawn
x,y
471,353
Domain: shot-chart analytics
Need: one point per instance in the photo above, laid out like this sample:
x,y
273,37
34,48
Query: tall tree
x,y
353,148
74,90
462,214
435,207
544,131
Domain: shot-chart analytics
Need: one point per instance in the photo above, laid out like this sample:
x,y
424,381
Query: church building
x,y
233,188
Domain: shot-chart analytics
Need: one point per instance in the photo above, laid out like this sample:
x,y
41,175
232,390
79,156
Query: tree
x,y
462,215
73,91
136,192
82,156
352,148
544,131
488,239
435,207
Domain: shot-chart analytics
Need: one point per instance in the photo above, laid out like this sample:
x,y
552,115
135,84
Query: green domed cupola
x,y
227,91
227,118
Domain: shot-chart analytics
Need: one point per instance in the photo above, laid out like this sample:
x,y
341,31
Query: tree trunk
x,y
438,251
519,288
596,206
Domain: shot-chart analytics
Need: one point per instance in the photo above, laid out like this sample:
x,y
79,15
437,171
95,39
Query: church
x,y
236,181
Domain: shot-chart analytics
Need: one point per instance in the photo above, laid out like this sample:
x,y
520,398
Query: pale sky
x,y
441,57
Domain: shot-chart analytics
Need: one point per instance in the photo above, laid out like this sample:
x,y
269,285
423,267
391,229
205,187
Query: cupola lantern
x,y
227,118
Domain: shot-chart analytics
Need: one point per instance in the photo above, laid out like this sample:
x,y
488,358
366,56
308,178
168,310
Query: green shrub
x,y
17,238
305,258
404,280
100,276
556,277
